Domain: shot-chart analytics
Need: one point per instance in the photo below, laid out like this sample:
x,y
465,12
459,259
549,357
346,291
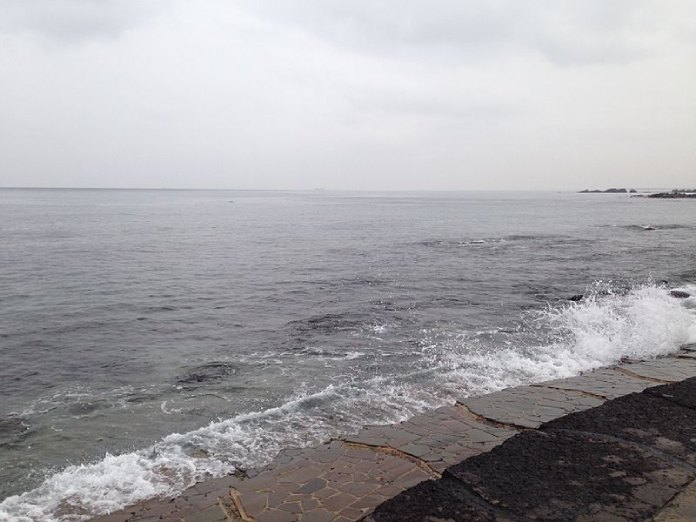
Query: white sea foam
x,y
559,342
599,331
180,460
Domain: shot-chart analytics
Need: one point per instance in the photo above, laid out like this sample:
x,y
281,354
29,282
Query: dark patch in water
x,y
495,242
161,309
325,323
141,397
83,408
318,352
206,373
651,227
12,429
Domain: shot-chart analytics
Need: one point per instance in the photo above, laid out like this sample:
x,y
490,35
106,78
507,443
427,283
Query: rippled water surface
x,y
149,339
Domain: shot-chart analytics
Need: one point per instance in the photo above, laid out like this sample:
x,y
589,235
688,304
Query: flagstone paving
x,y
606,383
345,480
529,406
439,438
668,369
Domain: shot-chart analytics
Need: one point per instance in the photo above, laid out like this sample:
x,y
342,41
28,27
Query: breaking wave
x,y
560,341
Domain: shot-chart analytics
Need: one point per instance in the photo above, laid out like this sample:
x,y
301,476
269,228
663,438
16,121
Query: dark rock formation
x,y
679,294
673,195
607,191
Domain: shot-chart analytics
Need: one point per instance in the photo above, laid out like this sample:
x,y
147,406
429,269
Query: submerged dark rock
x,y
12,429
679,294
205,373
576,297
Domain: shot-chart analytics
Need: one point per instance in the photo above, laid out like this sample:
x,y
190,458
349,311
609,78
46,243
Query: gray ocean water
x,y
149,339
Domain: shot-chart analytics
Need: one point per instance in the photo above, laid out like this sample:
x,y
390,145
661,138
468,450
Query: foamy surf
x,y
561,341
603,329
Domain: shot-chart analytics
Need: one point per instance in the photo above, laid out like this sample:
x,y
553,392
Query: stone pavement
x,y
481,459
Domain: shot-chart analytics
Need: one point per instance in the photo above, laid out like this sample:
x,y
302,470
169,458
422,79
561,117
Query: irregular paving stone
x,y
558,475
644,419
529,406
211,514
310,488
441,437
605,382
668,369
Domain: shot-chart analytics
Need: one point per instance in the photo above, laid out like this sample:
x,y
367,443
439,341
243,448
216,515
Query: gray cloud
x,y
74,20
566,33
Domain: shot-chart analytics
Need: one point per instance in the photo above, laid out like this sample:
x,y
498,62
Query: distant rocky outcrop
x,y
608,191
675,194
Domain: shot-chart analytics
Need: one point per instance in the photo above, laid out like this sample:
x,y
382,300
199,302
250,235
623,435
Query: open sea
x,y
152,338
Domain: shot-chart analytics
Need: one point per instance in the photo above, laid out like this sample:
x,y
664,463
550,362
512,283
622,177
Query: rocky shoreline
x,y
446,463
674,194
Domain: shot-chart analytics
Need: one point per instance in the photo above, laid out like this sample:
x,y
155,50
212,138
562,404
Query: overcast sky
x,y
348,94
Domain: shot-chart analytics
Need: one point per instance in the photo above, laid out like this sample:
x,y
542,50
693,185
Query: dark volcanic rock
x,y
682,393
644,418
434,500
679,294
572,476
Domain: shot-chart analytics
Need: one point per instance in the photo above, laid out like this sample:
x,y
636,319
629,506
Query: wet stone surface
x,y
336,481
201,500
440,438
667,369
529,406
605,383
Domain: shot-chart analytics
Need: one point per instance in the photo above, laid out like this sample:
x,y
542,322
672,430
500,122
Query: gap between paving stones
x,y
638,376
396,453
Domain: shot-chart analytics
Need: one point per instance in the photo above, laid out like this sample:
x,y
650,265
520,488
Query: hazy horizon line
x,y
321,189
